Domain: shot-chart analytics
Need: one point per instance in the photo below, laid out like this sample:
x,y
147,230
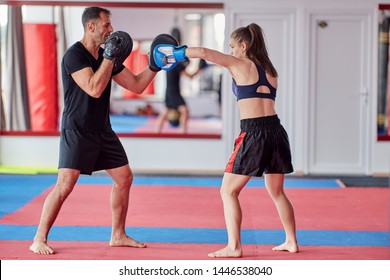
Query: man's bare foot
x,y
126,241
226,253
40,247
289,247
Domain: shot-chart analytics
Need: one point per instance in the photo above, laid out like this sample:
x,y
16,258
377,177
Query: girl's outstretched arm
x,y
213,56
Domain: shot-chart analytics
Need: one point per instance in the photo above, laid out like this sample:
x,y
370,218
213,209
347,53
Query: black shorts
x,y
90,152
261,147
174,101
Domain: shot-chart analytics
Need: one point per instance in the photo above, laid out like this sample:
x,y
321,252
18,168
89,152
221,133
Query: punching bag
x,y
42,79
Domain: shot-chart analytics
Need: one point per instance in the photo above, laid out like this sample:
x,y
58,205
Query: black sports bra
x,y
250,91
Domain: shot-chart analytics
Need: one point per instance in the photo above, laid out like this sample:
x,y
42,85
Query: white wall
x,y
210,155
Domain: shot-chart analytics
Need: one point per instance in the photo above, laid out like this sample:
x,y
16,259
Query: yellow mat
x,y
26,170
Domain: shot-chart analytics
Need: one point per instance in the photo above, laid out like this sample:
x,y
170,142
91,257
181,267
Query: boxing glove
x,y
167,56
117,48
159,39
112,48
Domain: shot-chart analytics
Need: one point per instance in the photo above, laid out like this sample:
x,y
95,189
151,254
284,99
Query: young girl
x,y
263,145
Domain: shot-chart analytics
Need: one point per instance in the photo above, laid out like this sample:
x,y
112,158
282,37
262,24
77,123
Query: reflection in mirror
x,y
383,114
49,30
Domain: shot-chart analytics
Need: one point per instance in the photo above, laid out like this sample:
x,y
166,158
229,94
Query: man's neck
x,y
91,46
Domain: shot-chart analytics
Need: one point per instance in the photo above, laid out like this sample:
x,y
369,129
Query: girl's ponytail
x,y
257,49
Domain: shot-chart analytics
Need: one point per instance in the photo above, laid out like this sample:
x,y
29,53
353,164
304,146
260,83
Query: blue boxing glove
x,y
180,53
159,39
167,56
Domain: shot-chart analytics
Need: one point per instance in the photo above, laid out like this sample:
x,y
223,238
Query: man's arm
x,y
94,83
135,83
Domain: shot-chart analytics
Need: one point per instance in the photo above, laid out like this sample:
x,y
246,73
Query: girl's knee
x,y
232,184
227,192
276,193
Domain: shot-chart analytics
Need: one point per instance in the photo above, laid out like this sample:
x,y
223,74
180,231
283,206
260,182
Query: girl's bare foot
x,y
126,241
40,247
226,253
287,246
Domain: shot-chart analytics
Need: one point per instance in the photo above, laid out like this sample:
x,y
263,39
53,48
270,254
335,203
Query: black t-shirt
x,y
81,111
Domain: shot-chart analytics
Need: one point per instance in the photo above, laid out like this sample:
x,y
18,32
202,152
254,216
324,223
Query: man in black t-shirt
x,y
87,142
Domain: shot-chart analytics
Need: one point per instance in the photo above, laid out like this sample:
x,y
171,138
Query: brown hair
x,y
257,51
92,13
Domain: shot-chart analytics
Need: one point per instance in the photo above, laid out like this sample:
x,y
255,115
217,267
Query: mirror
x,y
50,30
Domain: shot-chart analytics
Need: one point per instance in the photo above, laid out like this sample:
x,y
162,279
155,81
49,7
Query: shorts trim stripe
x,y
239,141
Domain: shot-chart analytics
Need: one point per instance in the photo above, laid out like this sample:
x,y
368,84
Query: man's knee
x,y
125,179
66,181
63,189
122,176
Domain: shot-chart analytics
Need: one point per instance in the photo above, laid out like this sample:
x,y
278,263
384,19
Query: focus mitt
x,y
117,48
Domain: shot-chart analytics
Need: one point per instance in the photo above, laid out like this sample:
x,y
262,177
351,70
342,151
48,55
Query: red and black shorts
x,y
90,152
262,147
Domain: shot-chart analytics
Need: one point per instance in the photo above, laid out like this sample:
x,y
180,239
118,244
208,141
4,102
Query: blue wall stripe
x,y
202,235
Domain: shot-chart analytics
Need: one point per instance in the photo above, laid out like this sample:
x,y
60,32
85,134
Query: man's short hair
x,y
92,13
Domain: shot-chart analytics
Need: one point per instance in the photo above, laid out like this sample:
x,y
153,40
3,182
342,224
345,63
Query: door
x,y
338,93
